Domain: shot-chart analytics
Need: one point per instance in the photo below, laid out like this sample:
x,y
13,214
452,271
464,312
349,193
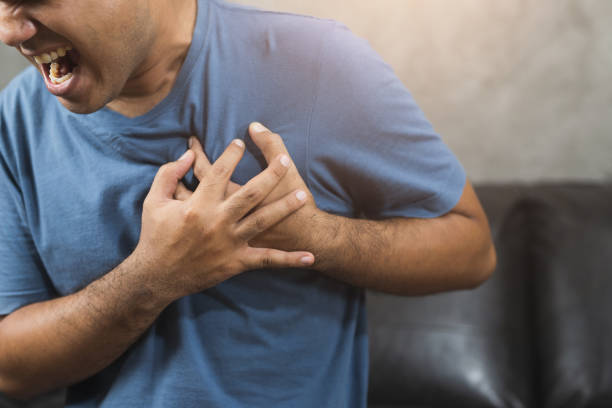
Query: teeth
x,y
62,79
47,58
54,74
54,71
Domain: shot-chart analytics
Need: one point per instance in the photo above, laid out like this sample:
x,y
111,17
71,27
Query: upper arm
x,y
371,147
469,205
23,277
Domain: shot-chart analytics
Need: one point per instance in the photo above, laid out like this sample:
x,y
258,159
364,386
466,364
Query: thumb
x,y
167,178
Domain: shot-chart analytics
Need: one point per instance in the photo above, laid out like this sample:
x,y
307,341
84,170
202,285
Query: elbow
x,y
483,267
21,390
14,390
15,387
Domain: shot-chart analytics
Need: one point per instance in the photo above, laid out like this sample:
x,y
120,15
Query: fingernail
x,y
285,161
307,260
258,127
239,143
301,195
191,141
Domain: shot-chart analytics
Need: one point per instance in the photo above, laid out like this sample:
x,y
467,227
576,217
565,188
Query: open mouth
x,y
58,66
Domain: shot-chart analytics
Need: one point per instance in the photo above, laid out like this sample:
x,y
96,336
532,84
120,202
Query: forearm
x,y
55,343
405,256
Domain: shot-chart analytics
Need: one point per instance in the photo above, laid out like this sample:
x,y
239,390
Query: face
x,y
103,44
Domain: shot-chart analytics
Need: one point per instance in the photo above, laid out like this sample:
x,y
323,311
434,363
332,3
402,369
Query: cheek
x,y
127,39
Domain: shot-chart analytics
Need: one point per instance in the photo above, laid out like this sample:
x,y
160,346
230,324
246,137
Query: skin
x,y
185,247
131,51
398,255
191,241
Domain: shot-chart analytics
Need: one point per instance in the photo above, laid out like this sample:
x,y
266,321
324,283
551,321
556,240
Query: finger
x,y
232,188
261,258
270,215
270,143
215,181
201,164
182,193
257,189
167,178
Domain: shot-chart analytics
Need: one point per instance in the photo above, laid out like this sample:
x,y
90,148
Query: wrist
x,y
128,293
148,279
323,241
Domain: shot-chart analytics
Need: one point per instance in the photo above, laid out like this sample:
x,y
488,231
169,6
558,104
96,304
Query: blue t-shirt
x,y
73,187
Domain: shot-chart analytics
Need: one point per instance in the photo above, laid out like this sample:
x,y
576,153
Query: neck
x,y
154,80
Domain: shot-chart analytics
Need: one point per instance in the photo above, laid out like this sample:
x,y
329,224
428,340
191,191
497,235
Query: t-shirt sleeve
x,y
22,276
370,145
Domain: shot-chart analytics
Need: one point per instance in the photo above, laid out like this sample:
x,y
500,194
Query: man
x,y
139,285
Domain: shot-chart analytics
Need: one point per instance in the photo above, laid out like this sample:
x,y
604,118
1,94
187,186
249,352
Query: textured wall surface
x,y
11,63
518,88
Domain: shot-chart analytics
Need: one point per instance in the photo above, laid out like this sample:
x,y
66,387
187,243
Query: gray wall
x,y
517,88
11,63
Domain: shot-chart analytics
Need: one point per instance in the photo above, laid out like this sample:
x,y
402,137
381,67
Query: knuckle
x,y
260,223
291,202
219,170
267,259
235,268
190,214
210,184
252,194
157,218
243,234
234,209
199,170
278,170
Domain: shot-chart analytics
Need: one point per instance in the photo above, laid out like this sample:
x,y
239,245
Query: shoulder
x,y
24,86
23,106
273,29
24,100
305,48
251,12
291,39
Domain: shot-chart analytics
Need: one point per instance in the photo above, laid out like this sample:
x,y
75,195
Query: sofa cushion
x,y
460,349
54,399
571,235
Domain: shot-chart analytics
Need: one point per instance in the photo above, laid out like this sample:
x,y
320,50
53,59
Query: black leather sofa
x,y
537,334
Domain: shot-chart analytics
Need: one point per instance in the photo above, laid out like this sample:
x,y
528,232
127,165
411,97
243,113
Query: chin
x,y
81,108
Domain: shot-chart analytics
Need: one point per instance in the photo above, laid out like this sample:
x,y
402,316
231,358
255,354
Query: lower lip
x,y
65,87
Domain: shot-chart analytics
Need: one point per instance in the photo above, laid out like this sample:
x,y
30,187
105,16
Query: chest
x,y
86,210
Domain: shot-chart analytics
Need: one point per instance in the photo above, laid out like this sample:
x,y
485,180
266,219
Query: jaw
x,y
60,69
74,84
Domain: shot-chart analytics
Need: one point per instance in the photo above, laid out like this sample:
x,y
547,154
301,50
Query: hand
x,y
290,233
196,243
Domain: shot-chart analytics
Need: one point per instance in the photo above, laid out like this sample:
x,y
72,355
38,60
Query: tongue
x,y
65,65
